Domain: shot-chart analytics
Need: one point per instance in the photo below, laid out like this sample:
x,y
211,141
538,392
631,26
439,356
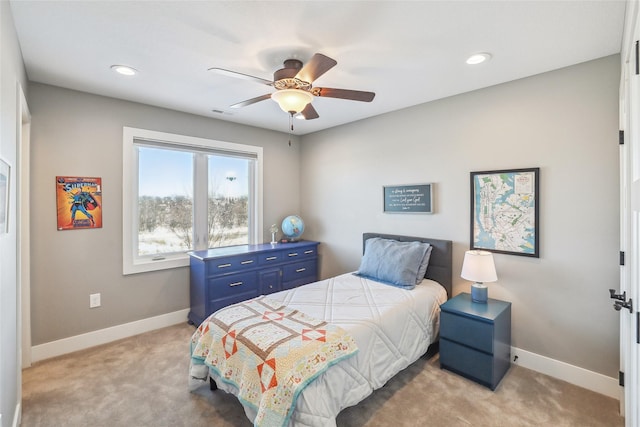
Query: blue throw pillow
x,y
392,262
424,264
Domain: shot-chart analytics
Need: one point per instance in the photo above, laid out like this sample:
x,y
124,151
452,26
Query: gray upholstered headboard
x,y
440,264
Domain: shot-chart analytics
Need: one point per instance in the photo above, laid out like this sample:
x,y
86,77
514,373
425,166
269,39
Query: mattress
x,y
392,328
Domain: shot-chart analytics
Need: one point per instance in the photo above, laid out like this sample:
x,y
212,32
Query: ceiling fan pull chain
x,y
290,126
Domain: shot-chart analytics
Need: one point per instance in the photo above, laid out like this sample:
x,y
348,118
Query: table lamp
x,y
478,267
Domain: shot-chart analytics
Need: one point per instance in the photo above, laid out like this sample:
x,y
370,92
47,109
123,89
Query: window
x,y
184,193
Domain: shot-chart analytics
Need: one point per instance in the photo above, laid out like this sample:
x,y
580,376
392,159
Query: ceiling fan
x,y
294,90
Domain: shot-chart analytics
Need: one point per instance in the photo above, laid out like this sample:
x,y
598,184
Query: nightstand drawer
x,y
470,332
470,363
233,284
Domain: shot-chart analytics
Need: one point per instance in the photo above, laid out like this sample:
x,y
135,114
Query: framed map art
x,y
504,211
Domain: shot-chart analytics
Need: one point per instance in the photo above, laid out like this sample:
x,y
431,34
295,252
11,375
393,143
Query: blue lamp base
x,y
479,293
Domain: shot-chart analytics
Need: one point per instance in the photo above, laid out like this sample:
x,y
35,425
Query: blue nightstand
x,y
475,339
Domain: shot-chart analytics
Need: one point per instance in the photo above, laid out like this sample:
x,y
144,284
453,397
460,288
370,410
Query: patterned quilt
x,y
269,353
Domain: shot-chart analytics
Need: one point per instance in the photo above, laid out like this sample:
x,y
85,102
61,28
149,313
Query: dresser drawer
x,y
300,270
470,332
232,284
300,253
216,305
271,258
467,362
232,264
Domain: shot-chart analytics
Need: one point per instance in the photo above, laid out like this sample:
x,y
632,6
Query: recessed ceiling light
x,y
124,70
478,58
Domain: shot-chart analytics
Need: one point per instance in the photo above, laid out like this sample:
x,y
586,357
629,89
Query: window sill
x,y
148,264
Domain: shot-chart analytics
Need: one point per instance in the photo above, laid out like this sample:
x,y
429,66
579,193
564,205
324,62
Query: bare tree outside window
x,y
184,193
228,215
165,220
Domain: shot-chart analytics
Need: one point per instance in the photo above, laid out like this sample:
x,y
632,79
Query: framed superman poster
x,y
79,202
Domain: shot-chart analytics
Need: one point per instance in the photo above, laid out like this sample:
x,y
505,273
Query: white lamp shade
x,y
478,266
292,99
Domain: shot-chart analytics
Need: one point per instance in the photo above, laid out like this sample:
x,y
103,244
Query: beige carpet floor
x,y
142,381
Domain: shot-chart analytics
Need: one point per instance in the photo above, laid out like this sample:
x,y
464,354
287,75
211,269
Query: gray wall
x,y
566,123
79,134
11,74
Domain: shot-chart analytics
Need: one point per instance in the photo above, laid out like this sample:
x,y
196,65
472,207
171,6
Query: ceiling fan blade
x,y
251,101
354,95
309,112
317,66
238,75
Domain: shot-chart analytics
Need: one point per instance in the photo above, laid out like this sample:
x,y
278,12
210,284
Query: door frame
x,y
630,215
23,232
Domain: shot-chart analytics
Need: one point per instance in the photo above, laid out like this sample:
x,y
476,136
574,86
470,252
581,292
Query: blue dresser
x,y
224,276
475,339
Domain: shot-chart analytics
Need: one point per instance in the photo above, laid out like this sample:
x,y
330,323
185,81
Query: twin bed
x,y
298,357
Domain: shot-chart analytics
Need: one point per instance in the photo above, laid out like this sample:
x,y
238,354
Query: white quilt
x,y
392,327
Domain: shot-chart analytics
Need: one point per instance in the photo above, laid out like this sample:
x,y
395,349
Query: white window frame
x,y
133,263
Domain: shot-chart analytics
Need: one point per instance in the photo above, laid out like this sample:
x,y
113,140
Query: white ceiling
x,y
407,52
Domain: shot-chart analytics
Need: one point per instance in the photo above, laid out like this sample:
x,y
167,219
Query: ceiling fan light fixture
x,y
292,100
478,58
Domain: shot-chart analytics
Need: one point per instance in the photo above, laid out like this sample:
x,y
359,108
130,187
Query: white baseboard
x,y
563,371
554,368
103,336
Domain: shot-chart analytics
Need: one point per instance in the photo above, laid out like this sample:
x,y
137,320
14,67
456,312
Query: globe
x,y
293,227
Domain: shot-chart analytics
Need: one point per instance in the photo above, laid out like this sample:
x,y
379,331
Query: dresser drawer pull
x,y
309,251
271,258
300,270
293,254
247,262
224,265
235,284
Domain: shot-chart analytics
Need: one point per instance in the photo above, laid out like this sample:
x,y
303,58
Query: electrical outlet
x,y
94,300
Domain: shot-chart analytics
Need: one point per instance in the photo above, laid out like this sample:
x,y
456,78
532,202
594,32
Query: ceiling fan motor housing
x,y
291,68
